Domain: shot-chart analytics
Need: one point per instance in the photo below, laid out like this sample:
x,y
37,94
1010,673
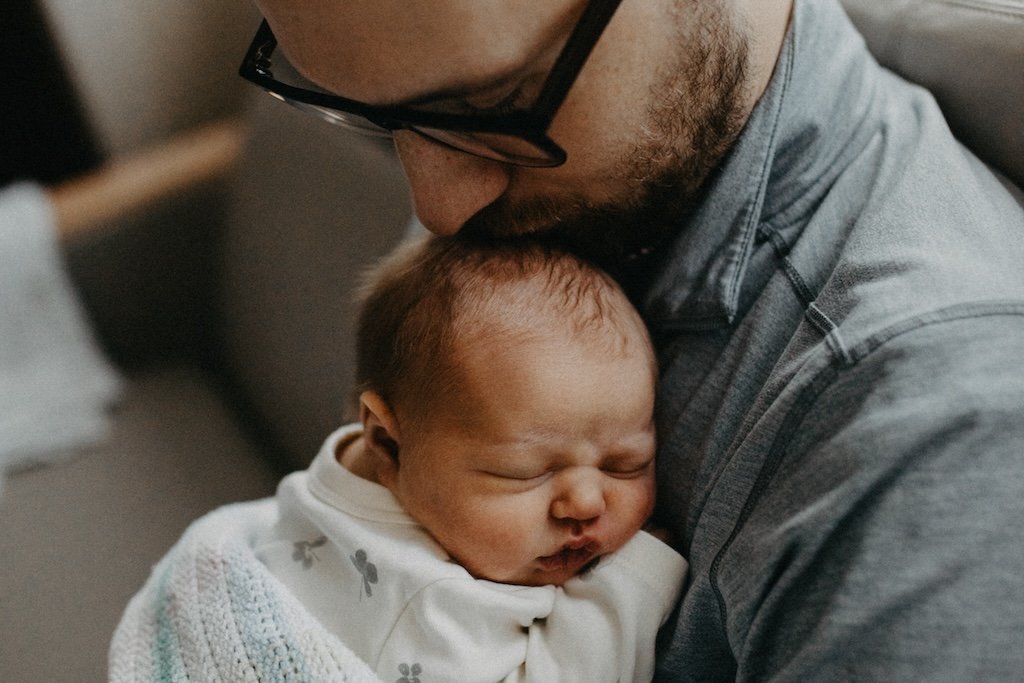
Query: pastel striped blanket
x,y
210,611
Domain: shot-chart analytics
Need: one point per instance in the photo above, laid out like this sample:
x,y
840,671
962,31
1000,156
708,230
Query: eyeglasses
x,y
518,137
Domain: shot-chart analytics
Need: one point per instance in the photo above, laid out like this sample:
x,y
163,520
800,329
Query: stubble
x,y
698,107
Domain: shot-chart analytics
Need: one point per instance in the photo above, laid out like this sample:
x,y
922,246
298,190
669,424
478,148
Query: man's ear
x,y
380,433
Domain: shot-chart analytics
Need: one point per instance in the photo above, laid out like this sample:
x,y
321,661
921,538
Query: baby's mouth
x,y
574,555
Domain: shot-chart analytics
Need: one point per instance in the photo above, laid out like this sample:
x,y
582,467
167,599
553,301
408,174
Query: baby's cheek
x,y
636,503
503,518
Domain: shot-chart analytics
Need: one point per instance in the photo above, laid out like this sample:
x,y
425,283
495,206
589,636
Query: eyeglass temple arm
x,y
581,43
263,43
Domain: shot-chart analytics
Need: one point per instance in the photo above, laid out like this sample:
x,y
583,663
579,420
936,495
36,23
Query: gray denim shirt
x,y
841,405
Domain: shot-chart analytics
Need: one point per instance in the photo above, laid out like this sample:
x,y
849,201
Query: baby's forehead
x,y
496,320
533,313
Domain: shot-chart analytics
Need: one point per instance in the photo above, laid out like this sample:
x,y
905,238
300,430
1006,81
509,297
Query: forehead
x,y
548,382
523,320
389,50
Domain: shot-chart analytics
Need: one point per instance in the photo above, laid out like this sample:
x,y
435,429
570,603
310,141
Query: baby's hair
x,y
432,292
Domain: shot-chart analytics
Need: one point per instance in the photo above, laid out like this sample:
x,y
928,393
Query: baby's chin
x,y
565,569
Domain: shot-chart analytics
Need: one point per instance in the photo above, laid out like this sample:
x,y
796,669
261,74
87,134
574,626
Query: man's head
x,y
654,108
507,402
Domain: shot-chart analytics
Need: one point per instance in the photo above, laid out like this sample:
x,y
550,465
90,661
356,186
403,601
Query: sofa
x,y
227,307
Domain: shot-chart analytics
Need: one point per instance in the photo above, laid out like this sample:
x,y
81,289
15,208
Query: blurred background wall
x,y
87,82
145,69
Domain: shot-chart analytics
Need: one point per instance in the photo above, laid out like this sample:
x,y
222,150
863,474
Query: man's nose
x,y
580,496
448,187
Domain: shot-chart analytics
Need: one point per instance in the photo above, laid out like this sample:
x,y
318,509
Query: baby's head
x,y
507,394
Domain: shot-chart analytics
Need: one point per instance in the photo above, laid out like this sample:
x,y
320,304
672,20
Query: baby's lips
x,y
580,550
566,558
583,543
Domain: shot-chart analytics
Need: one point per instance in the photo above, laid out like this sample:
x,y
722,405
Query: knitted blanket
x,y
210,611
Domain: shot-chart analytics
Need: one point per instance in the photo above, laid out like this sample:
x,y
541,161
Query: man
x,y
833,283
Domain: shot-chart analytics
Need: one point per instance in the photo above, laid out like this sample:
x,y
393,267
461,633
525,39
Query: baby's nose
x,y
580,498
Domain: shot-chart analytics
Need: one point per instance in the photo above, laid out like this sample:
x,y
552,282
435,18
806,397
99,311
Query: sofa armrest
x,y
140,236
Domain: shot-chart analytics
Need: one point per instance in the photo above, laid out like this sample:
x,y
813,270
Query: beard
x,y
698,107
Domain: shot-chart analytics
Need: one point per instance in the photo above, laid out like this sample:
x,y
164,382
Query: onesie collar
x,y
333,484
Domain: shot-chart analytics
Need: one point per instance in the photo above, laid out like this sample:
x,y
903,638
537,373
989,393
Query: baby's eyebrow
x,y
517,452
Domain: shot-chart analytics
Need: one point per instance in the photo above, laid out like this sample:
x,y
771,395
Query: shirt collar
x,y
796,141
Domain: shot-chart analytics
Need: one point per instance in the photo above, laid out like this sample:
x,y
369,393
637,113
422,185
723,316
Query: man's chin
x,y
505,219
611,235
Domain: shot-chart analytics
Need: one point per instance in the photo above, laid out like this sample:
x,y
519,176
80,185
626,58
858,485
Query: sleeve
x,y
604,623
891,534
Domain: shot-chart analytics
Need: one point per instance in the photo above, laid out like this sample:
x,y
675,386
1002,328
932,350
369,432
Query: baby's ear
x,y
380,433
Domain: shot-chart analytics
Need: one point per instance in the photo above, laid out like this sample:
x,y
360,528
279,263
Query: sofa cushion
x,y
970,54
78,539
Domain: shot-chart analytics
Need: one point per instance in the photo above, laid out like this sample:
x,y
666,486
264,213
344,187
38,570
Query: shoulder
x,y
916,393
891,497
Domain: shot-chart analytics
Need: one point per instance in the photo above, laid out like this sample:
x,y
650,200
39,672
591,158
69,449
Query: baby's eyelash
x,y
628,469
522,476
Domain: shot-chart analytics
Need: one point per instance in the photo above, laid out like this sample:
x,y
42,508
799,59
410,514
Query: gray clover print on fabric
x,y
410,674
367,569
303,551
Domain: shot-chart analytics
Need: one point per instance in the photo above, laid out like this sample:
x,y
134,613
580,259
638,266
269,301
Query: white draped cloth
x,y
56,386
